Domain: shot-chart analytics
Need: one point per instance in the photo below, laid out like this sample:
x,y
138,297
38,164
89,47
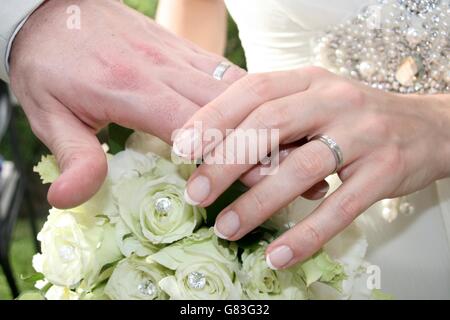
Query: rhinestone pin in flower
x,y
163,205
148,288
394,45
196,280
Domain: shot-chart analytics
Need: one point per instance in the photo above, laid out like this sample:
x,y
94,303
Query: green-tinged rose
x,y
129,244
259,282
47,169
97,294
154,209
205,268
145,143
130,164
321,268
75,246
136,279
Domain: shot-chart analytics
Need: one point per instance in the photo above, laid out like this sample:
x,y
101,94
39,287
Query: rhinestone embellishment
x,y
196,280
163,205
67,253
148,288
395,45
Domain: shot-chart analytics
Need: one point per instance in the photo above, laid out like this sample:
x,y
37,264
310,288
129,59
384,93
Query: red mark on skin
x,y
118,73
154,56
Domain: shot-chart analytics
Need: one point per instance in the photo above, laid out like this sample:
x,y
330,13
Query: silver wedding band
x,y
334,147
220,70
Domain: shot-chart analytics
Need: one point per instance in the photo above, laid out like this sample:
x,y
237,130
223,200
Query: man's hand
x,y
120,67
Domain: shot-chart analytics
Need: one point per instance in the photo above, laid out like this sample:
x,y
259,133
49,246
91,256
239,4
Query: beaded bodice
x,y
395,45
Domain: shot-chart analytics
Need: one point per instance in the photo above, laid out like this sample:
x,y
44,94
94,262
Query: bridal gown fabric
x,y
412,250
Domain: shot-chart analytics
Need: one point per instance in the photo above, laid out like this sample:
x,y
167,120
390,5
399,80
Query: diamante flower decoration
x,y
197,280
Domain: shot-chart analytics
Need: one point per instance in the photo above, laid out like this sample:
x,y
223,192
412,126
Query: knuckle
x,y
258,200
393,161
349,94
117,73
308,164
214,114
235,73
269,116
261,85
312,233
375,125
313,71
348,208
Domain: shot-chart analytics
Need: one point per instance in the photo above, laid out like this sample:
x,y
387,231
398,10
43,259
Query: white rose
x,y
205,268
129,244
262,283
61,293
136,279
75,245
145,143
139,204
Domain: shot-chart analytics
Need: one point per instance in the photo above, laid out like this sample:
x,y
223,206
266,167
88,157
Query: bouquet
x,y
137,239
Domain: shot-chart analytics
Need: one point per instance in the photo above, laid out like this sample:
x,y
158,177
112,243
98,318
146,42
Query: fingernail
x,y
197,190
186,142
279,257
227,225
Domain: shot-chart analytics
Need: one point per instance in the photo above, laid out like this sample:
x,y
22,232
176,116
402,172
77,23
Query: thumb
x,y
80,157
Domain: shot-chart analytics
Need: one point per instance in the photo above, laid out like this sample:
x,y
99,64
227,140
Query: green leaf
x,y
118,136
32,278
251,240
231,194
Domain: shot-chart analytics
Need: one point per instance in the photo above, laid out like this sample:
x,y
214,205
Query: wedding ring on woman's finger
x,y
220,70
334,147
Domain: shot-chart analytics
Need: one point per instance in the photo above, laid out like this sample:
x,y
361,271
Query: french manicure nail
x,y
279,257
197,190
186,142
227,225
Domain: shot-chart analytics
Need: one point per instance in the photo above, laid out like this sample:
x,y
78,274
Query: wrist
x,y
439,106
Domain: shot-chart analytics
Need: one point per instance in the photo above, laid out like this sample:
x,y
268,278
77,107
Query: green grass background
x,y
22,246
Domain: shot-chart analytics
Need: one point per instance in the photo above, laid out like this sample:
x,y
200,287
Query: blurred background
x,y
20,147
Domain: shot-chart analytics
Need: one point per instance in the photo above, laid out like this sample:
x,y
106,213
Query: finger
x,y
79,154
304,168
232,107
156,109
338,211
208,64
198,87
254,176
159,115
316,192
283,120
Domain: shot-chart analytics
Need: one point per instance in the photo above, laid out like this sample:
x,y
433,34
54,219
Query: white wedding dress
x,y
407,238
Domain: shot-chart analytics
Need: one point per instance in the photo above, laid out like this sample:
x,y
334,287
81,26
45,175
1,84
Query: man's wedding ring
x,y
220,70
334,147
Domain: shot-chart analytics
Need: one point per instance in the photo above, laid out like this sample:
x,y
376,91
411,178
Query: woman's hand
x,y
392,145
